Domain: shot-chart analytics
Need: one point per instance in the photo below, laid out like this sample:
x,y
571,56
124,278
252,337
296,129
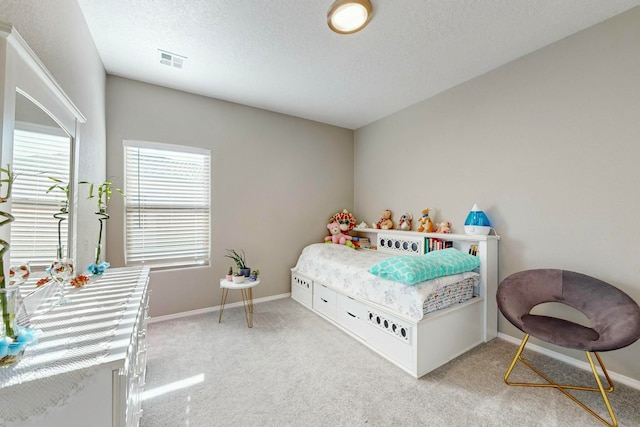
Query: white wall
x,y
58,34
276,180
548,145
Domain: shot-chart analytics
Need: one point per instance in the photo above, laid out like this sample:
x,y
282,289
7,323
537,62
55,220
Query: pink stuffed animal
x,y
336,235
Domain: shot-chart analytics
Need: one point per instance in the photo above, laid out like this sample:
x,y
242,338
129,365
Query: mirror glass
x,y
41,163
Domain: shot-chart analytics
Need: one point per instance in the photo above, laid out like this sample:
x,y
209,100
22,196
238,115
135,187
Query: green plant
x,y
64,188
7,317
64,207
103,195
238,257
104,192
255,272
230,272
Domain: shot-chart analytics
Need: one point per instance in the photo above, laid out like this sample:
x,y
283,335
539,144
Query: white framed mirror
x,y
40,130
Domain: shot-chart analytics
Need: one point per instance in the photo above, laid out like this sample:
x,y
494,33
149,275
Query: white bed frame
x,y
417,347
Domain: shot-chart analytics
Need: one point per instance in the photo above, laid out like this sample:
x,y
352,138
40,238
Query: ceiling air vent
x,y
171,59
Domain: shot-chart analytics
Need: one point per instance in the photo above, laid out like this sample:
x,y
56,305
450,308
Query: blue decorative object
x,y
477,222
98,269
25,337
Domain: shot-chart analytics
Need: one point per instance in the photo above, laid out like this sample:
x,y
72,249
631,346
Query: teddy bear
x,y
337,236
385,222
425,222
405,222
444,227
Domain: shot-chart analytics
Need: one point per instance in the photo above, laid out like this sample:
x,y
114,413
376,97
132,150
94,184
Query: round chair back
x,y
614,316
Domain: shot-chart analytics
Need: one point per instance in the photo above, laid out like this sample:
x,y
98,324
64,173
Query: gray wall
x,y
58,34
276,180
547,145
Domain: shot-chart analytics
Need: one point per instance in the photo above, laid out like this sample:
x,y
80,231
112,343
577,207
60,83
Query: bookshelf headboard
x,y
413,245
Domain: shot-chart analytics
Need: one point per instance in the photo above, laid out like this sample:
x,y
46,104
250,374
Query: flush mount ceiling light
x,y
349,16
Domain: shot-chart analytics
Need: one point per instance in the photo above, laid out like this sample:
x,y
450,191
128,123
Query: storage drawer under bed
x,y
352,315
324,300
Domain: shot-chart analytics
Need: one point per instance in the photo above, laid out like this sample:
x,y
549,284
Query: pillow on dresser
x,y
413,269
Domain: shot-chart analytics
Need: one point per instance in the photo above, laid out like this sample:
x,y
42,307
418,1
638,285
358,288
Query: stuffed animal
x,y
336,235
425,222
444,227
385,222
345,219
405,222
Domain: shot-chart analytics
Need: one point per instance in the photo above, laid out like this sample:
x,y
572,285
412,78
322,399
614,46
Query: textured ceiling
x,y
281,56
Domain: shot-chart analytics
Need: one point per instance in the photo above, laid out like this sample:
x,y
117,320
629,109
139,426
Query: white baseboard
x,y
215,308
571,361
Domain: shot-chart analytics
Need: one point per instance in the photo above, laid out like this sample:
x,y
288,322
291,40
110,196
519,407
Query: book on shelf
x,y
473,250
435,244
361,242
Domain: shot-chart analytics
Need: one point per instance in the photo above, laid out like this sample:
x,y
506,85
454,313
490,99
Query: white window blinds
x,y
38,155
167,191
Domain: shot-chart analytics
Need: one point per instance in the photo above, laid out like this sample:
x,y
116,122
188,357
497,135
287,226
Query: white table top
x,y
224,283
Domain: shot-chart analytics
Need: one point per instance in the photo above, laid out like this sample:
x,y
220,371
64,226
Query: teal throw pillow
x,y
413,269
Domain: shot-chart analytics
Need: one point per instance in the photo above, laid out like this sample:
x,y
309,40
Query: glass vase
x,y
19,272
10,348
98,257
62,271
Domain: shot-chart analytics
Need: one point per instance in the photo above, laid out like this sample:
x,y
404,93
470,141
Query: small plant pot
x,y
238,279
253,277
246,272
229,277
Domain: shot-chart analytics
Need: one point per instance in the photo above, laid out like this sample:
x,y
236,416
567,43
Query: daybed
x,y
414,327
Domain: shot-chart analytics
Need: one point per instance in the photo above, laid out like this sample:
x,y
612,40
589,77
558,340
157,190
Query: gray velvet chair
x,y
614,317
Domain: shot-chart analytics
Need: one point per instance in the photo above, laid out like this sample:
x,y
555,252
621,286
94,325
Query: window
x,y
39,152
167,191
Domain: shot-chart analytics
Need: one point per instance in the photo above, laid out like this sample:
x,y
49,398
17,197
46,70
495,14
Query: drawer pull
x,y
323,300
352,315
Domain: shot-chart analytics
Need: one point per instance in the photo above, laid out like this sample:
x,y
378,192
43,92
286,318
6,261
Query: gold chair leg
x,y
603,391
563,388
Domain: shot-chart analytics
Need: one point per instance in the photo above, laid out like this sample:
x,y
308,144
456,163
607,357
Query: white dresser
x,y
88,368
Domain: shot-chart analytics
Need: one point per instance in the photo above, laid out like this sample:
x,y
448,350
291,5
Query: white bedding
x,y
343,268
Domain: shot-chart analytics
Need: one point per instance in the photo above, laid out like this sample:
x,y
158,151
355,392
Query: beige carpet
x,y
295,369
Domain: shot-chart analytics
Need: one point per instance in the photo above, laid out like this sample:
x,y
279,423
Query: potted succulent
x,y
230,275
254,275
238,278
241,261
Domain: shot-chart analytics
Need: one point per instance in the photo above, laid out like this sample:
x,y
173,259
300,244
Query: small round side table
x,y
246,288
